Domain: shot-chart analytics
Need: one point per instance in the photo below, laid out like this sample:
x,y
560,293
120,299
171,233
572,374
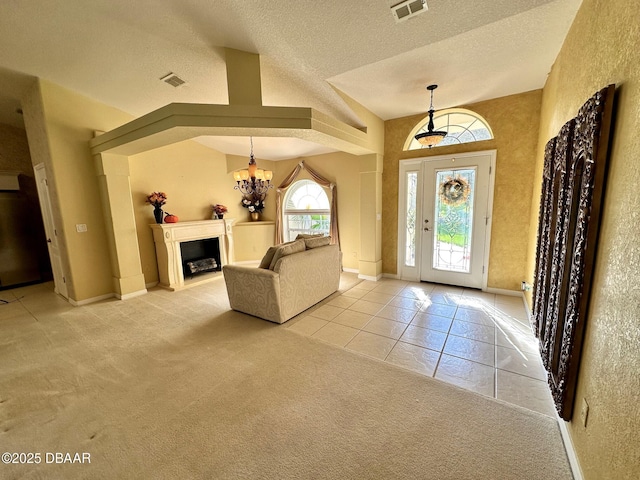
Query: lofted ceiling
x,y
116,51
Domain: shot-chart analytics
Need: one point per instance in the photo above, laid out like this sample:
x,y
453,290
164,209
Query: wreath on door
x,y
454,191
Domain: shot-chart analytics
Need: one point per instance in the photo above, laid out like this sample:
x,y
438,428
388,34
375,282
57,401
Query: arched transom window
x,y
462,126
306,210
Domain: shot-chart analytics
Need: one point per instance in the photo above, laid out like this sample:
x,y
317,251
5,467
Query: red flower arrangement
x,y
219,209
157,199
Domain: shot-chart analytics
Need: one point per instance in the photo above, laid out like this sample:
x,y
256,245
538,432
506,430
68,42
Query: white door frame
x,y
413,273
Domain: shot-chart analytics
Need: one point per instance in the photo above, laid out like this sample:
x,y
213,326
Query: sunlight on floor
x,y
475,340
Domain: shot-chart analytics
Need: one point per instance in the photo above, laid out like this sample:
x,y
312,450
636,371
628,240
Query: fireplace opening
x,y
200,256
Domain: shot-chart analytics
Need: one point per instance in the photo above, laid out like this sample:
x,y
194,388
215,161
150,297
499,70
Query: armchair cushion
x,y
266,260
316,242
308,235
286,249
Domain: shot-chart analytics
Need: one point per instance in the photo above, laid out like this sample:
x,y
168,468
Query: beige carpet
x,y
173,385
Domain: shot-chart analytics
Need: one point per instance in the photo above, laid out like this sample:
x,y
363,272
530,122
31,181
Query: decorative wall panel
x,y
545,246
572,192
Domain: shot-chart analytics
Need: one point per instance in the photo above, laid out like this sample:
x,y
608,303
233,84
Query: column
x,y
370,265
117,203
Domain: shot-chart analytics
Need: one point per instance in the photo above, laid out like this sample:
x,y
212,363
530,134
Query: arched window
x,y
306,210
462,126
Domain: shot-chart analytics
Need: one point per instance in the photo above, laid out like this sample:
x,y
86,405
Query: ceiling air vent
x,y
408,9
173,80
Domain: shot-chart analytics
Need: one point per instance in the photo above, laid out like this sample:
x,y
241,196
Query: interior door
x,y
50,230
455,219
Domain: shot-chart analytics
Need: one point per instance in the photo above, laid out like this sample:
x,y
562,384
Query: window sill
x,y
256,223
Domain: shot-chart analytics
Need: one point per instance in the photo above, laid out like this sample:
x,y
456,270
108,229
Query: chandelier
x,y
431,137
253,182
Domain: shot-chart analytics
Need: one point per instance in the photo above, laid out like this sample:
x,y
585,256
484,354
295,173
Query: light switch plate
x,y
81,227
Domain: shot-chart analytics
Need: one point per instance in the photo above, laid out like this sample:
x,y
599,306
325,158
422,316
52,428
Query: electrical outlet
x,y
81,227
584,412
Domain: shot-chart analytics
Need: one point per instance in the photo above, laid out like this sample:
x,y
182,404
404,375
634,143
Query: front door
x,y
455,219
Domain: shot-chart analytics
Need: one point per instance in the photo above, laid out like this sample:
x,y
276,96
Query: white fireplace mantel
x,y
168,237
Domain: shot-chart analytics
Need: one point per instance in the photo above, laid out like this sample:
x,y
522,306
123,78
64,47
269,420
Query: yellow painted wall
x,y
194,177
60,124
514,121
344,170
251,240
602,48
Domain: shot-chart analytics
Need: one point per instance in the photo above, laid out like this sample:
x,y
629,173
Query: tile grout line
x,y
448,333
445,342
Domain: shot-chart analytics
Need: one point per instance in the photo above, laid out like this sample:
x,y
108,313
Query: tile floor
x,y
475,340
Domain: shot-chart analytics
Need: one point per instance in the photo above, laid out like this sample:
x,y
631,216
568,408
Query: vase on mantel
x,y
255,216
158,213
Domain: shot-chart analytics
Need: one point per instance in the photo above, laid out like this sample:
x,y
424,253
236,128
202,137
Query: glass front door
x,y
453,226
455,220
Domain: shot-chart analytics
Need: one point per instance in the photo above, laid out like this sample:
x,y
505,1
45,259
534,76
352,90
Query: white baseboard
x,y
106,296
370,277
128,296
571,453
526,308
350,270
391,275
502,291
87,301
150,285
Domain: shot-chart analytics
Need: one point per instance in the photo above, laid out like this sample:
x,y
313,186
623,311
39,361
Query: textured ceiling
x,y
115,51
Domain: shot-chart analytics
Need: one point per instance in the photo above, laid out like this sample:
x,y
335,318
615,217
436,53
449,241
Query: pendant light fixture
x,y
431,137
253,182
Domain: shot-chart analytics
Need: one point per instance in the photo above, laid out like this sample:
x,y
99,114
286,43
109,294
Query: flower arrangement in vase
x,y
254,204
218,210
157,199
